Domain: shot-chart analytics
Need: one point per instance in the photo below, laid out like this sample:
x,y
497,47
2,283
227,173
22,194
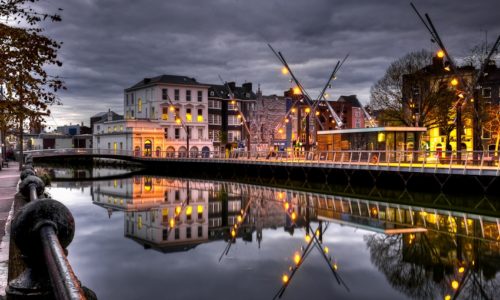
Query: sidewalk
x,y
9,177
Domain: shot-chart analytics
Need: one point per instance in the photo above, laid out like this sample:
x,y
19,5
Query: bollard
x,y
31,187
27,173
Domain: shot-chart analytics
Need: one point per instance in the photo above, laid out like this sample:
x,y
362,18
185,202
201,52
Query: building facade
x,y
164,115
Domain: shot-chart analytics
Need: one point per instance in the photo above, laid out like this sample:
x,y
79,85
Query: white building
x,y
159,112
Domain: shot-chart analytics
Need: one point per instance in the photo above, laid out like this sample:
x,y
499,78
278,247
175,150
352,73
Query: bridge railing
x,y
378,158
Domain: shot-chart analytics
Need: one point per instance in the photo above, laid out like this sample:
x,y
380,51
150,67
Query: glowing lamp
x,y
308,238
284,278
296,91
461,96
454,82
286,120
317,232
284,71
239,219
293,110
454,284
233,233
296,258
307,110
317,113
280,130
447,297
178,120
233,102
461,270
440,54
326,250
172,108
172,223
287,205
294,216
335,267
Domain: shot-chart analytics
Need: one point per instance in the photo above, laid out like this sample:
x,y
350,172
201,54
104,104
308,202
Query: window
x,y
153,113
176,95
233,120
189,116
164,115
188,95
177,233
166,133
126,99
200,212
188,232
214,135
139,105
177,133
132,99
200,96
212,93
200,133
165,234
486,92
231,106
233,136
132,113
199,118
164,94
200,231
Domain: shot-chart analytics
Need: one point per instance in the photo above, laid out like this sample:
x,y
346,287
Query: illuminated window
x,y
139,222
139,105
200,115
189,212
200,211
164,115
189,117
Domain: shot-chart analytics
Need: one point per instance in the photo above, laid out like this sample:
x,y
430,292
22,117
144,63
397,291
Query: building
x,y
159,114
488,95
227,116
428,95
103,117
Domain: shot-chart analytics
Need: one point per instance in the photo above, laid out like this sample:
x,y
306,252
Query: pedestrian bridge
x,y
452,163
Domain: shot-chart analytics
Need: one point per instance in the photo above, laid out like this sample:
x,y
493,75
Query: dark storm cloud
x,y
109,45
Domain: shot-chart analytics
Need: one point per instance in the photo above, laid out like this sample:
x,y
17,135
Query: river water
x,y
150,237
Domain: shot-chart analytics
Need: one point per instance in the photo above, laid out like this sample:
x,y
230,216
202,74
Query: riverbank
x,y
9,178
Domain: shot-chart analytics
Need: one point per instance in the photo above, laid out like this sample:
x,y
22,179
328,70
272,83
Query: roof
x,y
165,79
221,91
373,129
352,99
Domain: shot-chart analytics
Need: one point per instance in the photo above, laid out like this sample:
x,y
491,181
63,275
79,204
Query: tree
x,y
25,53
387,92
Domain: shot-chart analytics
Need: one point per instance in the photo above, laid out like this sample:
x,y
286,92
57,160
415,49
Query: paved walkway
x,y
9,177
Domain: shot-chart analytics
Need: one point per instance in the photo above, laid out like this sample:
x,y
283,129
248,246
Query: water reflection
x,y
423,252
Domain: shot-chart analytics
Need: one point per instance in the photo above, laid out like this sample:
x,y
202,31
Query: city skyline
x,y
109,47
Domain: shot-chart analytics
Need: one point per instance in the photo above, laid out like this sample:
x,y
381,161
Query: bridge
x,y
463,163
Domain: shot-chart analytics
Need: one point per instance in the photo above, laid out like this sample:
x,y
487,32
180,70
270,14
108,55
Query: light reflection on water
x,y
156,238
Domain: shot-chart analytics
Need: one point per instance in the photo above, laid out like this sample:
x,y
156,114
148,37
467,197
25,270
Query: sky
x,y
109,45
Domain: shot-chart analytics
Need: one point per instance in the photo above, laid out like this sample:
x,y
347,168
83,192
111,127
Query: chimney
x,y
110,116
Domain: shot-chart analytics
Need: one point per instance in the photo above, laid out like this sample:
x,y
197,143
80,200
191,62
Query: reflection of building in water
x,y
175,214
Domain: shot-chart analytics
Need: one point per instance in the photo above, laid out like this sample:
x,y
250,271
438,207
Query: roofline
x,y
130,89
374,129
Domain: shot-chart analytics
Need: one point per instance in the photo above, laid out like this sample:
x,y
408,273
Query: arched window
x,y
139,105
193,152
148,148
182,151
137,151
170,151
158,151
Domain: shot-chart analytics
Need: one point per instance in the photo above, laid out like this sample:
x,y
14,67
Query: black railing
x,y
41,230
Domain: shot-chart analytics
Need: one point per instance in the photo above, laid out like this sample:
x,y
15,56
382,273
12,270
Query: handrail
x,y
44,226
445,160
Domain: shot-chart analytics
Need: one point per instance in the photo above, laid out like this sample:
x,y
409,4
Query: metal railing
x,y
41,230
451,160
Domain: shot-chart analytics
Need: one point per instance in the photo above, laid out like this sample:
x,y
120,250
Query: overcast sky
x,y
110,45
